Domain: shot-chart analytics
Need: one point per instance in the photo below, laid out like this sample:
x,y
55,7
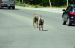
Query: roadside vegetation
x,y
44,3
28,5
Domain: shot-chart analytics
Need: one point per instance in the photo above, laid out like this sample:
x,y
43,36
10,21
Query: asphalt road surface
x,y
16,30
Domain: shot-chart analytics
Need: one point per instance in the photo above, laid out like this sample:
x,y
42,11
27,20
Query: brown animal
x,y
38,21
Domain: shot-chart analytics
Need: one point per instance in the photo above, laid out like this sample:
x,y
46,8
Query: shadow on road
x,y
45,30
72,25
9,9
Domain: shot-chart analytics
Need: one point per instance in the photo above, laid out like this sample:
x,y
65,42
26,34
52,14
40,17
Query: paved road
x,y
16,30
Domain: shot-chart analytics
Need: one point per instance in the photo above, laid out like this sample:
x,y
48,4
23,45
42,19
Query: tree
x,y
50,3
67,2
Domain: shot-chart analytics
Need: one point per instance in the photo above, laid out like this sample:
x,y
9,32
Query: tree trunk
x,y
50,3
67,2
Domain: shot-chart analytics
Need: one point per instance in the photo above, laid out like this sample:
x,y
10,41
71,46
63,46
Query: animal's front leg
x,y
34,24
